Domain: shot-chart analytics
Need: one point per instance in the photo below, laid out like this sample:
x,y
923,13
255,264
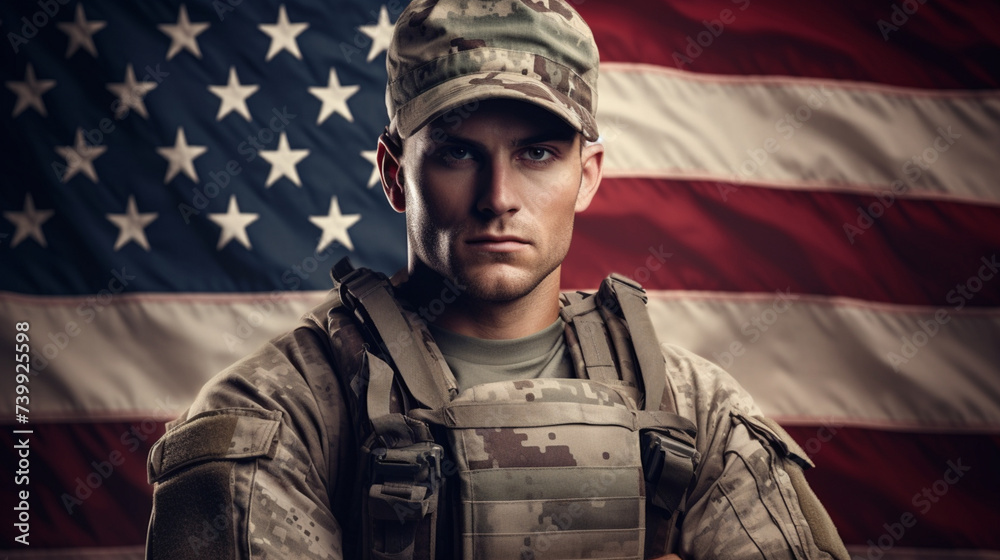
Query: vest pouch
x,y
402,498
546,469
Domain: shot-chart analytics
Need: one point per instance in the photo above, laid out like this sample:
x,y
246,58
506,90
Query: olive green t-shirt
x,y
477,360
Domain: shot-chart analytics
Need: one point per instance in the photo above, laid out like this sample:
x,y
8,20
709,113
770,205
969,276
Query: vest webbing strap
x,y
370,295
632,300
391,427
594,345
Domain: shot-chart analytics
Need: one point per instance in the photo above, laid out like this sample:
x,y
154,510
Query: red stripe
x,y
886,473
64,458
943,45
870,479
762,239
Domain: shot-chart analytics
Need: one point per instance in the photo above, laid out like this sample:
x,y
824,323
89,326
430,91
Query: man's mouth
x,y
498,243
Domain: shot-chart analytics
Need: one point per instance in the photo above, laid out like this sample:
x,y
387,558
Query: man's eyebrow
x,y
455,139
561,134
554,135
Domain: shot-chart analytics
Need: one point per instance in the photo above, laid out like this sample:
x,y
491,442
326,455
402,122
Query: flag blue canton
x,y
221,146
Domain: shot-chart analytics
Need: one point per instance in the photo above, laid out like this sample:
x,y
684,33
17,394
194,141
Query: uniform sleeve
x,y
258,466
749,497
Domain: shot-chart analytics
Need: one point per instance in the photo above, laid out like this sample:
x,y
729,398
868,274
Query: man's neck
x,y
455,310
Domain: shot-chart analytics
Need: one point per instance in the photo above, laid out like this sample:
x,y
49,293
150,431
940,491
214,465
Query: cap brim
x,y
470,88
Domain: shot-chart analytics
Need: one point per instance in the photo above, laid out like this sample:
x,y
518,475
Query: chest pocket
x,y
550,468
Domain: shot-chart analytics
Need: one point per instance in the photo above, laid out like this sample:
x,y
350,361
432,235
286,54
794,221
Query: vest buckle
x,y
668,464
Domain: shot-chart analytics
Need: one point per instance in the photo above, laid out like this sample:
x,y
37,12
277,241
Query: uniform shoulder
x,y
704,392
271,373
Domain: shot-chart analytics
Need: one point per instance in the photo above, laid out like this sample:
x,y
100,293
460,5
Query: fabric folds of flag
x,y
805,190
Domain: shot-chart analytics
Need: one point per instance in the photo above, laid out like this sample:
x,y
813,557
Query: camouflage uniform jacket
x,y
263,465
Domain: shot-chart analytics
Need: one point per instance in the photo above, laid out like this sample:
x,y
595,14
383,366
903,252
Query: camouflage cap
x,y
449,53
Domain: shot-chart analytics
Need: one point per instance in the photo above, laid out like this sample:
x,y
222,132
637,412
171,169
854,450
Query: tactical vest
x,y
596,466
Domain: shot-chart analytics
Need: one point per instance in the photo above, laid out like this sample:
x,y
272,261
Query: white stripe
x,y
660,122
823,360
141,355
810,359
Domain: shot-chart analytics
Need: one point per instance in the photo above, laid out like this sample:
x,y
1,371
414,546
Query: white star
x,y
131,225
234,224
29,92
80,32
233,96
283,35
28,222
80,157
183,34
283,161
334,226
380,33
334,97
181,157
369,155
130,94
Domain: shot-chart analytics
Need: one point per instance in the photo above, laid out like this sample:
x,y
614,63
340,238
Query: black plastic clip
x,y
668,465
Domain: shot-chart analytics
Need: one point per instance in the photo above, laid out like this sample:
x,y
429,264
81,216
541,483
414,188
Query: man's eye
x,y
537,154
456,153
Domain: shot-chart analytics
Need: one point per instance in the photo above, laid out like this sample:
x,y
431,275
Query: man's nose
x,y
499,189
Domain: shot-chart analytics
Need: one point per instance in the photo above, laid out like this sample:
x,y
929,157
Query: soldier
x,y
467,408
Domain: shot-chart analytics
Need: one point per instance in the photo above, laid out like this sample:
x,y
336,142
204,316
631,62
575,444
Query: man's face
x,y
490,201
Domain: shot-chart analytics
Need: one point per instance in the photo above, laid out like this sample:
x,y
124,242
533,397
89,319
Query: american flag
x,y
804,188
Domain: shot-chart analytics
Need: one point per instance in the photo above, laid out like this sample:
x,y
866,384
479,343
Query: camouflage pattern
x,y
277,476
287,501
447,54
565,496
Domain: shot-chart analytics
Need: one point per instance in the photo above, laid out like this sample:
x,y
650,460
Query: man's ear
x,y
592,166
388,157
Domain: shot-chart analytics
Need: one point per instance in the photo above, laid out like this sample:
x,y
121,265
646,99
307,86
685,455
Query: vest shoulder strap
x,y
617,342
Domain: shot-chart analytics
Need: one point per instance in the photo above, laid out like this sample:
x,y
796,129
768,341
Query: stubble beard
x,y
502,286
494,278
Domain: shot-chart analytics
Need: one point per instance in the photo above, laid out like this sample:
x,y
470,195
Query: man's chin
x,y
500,282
